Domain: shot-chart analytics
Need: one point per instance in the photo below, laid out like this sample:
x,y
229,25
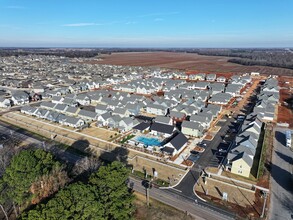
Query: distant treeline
x,y
68,52
251,57
63,53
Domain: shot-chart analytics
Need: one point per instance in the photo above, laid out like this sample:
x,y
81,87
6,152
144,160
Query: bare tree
x,y
48,184
86,165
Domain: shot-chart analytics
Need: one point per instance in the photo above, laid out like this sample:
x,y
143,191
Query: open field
x,y
186,61
101,133
156,210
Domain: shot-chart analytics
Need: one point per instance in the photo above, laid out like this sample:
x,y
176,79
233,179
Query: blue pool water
x,y
149,141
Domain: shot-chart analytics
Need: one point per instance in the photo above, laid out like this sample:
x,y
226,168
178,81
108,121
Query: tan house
x,y
240,164
191,128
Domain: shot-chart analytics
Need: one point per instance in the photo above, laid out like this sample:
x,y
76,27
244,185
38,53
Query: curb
x,y
170,187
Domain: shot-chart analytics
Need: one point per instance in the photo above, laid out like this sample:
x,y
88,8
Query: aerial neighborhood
x,y
146,110
154,110
171,123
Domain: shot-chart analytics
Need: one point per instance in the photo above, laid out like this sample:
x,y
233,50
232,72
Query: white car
x,y
222,150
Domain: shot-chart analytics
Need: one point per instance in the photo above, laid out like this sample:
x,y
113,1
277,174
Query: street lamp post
x,y
264,205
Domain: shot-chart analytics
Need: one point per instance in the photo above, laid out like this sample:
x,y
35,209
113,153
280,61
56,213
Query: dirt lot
x,y
285,115
156,210
100,133
239,200
186,61
216,189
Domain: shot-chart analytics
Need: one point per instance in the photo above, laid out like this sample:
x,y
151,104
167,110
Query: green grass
x,y
261,166
127,138
141,175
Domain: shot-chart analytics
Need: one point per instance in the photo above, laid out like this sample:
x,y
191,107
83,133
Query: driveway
x,y
281,205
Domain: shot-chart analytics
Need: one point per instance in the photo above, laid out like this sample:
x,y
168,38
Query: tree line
x,y
40,187
251,57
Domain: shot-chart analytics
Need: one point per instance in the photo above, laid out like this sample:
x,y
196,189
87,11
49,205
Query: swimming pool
x,y
149,141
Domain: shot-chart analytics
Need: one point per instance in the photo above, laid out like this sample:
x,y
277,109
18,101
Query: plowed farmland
x,y
186,61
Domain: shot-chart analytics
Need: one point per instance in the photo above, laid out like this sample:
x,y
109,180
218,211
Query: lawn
x,y
101,133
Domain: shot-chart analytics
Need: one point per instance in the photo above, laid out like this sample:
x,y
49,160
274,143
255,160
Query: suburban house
x,y
163,120
20,98
72,110
156,109
217,88
177,116
101,109
41,113
102,119
159,129
211,77
191,128
5,103
87,115
142,127
73,122
28,110
221,79
201,119
201,85
176,144
48,105
60,107
121,112
83,99
234,89
221,98
133,109
239,164
113,121
199,76
57,99
126,124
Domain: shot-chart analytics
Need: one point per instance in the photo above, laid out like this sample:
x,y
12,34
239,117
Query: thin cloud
x,y
158,19
131,22
158,14
94,24
80,24
14,7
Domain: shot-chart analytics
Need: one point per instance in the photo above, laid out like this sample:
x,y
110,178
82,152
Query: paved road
x,y
281,204
195,208
187,184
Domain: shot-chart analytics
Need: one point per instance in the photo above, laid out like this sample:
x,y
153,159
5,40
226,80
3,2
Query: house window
x,y
240,166
239,171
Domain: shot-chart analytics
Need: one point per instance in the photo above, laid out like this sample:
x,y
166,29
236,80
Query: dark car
x,y
194,152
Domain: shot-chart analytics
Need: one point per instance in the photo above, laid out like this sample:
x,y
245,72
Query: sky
x,y
146,23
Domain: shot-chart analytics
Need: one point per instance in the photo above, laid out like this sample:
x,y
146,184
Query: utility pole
x,y
148,196
148,186
4,212
264,204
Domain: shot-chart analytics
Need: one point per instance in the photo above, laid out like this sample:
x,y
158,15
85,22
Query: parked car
x,y
194,152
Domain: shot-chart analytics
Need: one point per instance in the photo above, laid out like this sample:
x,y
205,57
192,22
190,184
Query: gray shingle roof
x,y
162,128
